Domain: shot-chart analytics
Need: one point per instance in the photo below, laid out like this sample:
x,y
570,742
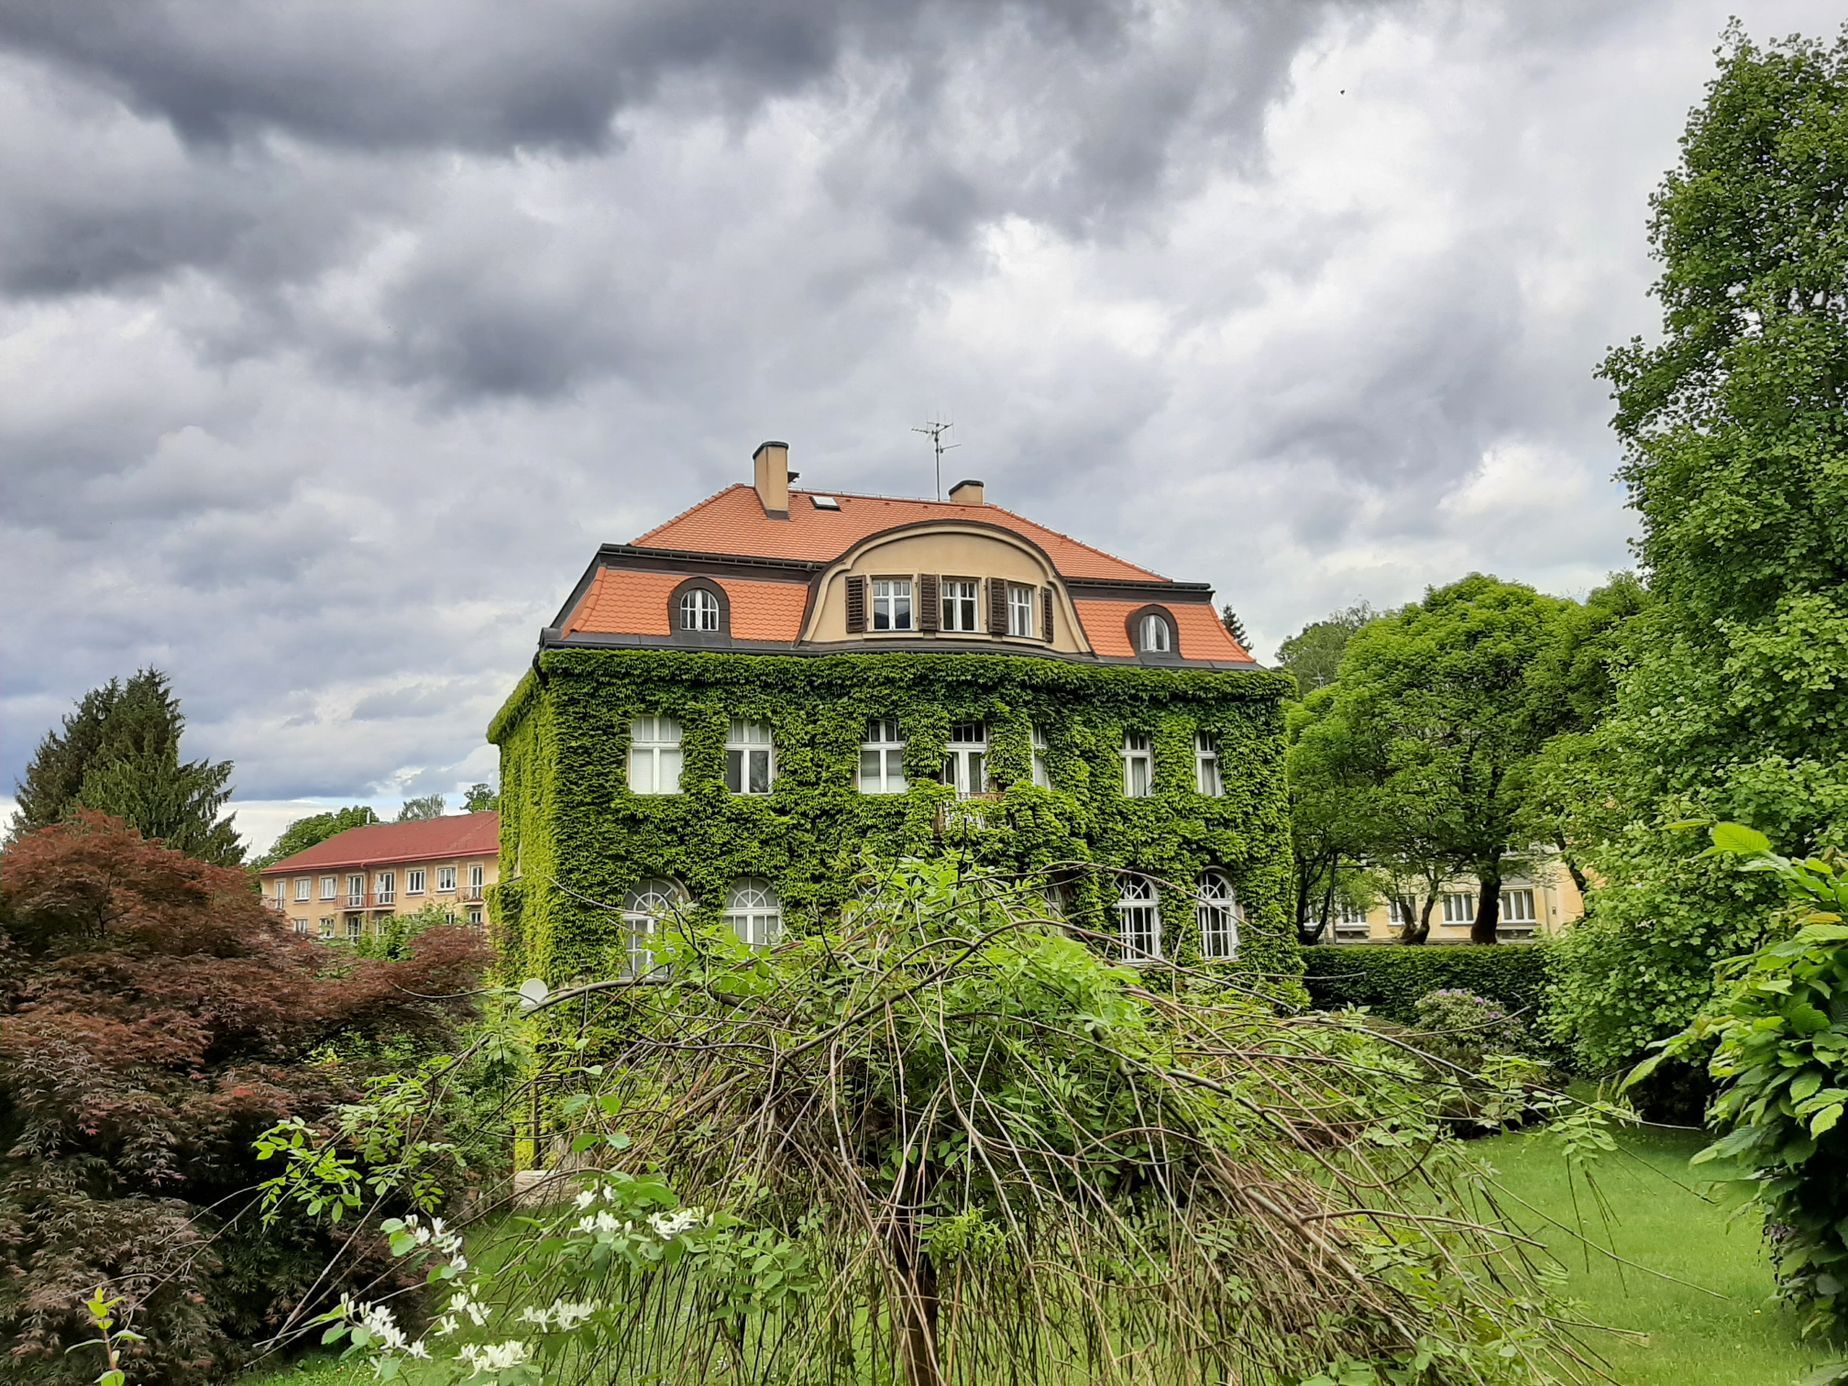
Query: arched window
x,y
1138,919
1155,636
645,912
1216,909
754,912
699,610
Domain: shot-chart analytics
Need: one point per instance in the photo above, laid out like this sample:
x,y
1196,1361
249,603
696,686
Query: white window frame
x,y
386,886
327,927
304,888
474,915
356,929
477,876
699,611
961,605
891,598
965,759
445,880
282,893
1216,912
1154,634
754,912
356,892
414,881
1459,907
1344,918
885,745
1394,915
330,887
1138,756
1042,771
1020,610
655,755
1138,911
644,909
747,745
301,926
1513,921
1207,778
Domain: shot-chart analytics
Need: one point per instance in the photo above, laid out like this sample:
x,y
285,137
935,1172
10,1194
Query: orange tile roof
x,y
1202,634
734,522
623,601
427,839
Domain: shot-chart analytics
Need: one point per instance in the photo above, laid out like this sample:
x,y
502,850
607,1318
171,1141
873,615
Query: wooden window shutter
x,y
997,607
1046,614
929,605
856,605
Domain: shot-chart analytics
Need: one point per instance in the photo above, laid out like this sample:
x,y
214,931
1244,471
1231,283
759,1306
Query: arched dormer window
x,y
698,610
1152,633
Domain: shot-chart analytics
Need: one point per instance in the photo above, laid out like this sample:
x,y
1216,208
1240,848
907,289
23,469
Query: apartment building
x,y
1539,902
729,712
343,889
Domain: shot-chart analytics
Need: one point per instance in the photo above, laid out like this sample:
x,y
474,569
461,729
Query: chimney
x,y
969,493
770,471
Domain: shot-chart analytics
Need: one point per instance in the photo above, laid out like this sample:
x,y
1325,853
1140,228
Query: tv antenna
x,y
935,429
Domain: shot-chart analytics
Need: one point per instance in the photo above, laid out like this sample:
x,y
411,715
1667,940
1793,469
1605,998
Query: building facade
x,y
1535,903
346,888
730,713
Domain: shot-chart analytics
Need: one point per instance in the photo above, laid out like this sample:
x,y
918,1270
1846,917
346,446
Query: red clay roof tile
x,y
1202,634
427,839
623,601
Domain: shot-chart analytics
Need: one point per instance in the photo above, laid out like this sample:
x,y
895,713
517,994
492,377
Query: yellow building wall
x,y
1557,904
306,916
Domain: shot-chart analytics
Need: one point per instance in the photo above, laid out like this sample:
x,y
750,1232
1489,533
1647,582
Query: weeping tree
x,y
944,1138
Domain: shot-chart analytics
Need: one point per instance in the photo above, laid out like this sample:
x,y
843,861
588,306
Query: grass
x,y
1662,1218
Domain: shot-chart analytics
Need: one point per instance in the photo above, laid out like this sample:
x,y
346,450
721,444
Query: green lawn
x,y
1692,1338
1734,1337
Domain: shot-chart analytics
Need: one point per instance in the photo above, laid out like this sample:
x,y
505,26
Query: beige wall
x,y
464,899
951,551
1557,903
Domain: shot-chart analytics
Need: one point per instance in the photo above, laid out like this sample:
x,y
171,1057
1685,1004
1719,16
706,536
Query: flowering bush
x,y
1464,1028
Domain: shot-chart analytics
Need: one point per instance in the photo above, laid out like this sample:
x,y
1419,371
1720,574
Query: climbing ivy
x,y
575,839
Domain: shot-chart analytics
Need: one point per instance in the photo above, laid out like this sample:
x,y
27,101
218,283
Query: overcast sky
x,y
335,335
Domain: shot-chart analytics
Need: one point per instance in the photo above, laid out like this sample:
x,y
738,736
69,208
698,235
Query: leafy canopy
x,y
315,829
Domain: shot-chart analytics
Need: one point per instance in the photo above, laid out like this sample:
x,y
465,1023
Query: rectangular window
x,y
654,755
414,881
282,892
1395,914
330,887
1206,765
445,878
355,927
750,758
1459,906
301,927
356,892
882,758
966,763
1138,766
477,876
302,887
959,604
1349,921
474,915
387,883
1042,776
327,926
1517,912
892,604
1019,610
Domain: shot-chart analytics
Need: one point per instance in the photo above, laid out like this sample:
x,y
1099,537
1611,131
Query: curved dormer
x,y
950,581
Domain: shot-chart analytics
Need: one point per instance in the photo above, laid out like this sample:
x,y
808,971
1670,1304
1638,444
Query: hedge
x,y
1388,978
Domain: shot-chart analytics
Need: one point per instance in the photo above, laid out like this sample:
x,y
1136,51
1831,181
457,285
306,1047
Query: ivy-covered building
x,y
732,711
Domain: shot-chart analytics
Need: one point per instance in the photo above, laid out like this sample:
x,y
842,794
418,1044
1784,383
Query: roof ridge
x,y
1101,553
697,505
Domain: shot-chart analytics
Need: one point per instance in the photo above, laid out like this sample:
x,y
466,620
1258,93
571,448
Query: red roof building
x,y
345,887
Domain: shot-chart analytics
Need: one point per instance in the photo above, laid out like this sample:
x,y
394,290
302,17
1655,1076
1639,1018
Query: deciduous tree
x,y
315,829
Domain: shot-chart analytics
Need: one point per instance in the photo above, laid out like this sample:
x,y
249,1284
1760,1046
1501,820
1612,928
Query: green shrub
x,y
1390,978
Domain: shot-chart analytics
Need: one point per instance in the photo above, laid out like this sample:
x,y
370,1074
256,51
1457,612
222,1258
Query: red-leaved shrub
x,y
155,1017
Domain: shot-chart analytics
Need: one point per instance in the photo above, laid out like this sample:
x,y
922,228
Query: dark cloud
x,y
337,335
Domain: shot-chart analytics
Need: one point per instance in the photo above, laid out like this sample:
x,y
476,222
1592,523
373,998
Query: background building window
x,y
1042,773
445,878
1138,919
882,758
1138,765
892,604
1019,610
965,765
644,912
959,604
1153,634
474,915
1459,907
355,928
302,888
755,913
1349,921
388,884
654,755
750,758
1216,909
356,892
330,887
301,927
1206,765
327,926
699,610
1517,912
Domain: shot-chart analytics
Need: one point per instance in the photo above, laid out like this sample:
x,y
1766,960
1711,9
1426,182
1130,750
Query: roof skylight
x,y
824,502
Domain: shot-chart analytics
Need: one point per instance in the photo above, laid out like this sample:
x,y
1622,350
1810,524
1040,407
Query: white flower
x,y
586,1198
496,1357
418,1350
461,1304
568,1315
668,1226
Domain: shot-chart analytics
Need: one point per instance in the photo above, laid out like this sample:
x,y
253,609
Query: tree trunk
x,y
1417,924
1488,902
922,1365
1572,867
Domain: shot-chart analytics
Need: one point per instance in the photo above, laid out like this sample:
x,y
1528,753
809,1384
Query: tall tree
x,y
315,829
119,754
426,806
1313,654
480,798
1735,432
1235,627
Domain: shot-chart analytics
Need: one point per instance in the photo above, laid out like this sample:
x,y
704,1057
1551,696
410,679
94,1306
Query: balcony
x,y
361,900
472,894
275,904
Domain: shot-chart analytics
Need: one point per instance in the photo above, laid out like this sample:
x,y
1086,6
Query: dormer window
x,y
1152,632
1155,636
698,610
